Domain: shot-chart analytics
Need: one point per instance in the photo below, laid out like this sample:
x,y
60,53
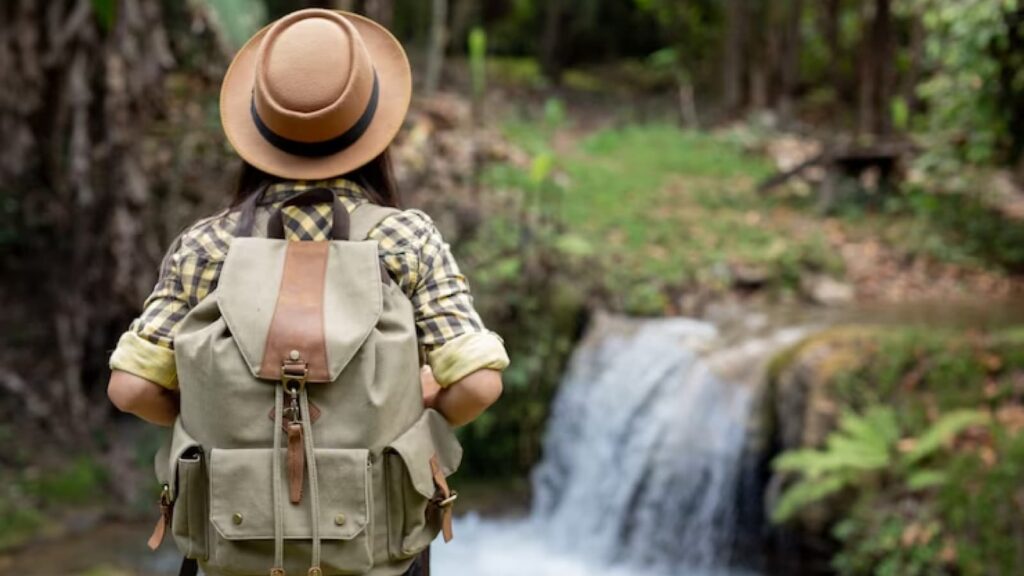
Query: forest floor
x,y
677,220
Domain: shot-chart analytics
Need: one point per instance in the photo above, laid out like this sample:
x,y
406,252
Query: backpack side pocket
x,y
189,519
414,518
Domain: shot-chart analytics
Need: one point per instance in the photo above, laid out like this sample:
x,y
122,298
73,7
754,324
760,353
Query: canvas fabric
x,y
372,441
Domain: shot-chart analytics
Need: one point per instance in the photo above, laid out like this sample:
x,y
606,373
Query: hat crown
x,y
308,65
315,94
314,77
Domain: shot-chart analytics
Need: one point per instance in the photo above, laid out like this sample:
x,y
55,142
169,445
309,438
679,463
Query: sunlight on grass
x,y
667,208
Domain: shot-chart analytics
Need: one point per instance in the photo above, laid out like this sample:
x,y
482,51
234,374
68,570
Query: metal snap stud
x,y
339,519
236,518
294,355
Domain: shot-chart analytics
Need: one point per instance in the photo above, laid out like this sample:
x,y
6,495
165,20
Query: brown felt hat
x,y
315,94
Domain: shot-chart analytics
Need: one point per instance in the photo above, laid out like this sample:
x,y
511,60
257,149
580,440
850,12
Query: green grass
x,y
34,498
667,209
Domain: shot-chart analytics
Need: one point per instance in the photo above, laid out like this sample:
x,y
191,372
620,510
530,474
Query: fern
x,y
804,493
862,446
925,479
941,432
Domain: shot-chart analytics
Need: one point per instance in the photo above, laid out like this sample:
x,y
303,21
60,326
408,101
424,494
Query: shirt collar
x,y
341,186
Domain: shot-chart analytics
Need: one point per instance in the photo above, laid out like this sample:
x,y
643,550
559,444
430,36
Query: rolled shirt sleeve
x,y
136,355
449,328
461,356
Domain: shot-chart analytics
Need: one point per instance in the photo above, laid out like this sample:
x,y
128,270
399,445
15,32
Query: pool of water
x,y
517,547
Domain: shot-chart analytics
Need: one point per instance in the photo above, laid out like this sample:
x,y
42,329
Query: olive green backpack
x,y
303,446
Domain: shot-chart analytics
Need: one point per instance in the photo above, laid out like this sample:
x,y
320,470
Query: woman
x,y
313,102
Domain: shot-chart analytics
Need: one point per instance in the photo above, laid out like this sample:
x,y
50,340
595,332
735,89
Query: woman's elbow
x,y
125,392
485,388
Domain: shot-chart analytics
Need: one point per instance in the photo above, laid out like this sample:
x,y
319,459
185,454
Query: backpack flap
x,y
322,299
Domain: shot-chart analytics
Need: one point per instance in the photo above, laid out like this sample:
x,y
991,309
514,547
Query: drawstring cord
x,y
278,569
314,490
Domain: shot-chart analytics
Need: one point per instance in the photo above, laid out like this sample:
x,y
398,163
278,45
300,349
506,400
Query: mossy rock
x,y
923,373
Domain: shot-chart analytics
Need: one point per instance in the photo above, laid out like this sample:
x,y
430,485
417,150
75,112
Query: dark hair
x,y
376,178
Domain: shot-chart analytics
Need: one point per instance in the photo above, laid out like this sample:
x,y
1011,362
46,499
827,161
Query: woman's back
x,y
284,337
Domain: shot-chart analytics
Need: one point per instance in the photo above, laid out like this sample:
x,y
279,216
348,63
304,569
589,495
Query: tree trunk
x,y
875,69
735,38
790,61
551,61
463,15
760,64
383,11
1011,92
438,40
830,24
884,55
915,66
79,89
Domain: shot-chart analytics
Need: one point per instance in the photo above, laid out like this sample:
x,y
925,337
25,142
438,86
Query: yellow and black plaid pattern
x,y
411,249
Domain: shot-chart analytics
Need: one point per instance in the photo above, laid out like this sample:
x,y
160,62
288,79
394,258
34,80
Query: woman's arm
x,y
464,400
147,400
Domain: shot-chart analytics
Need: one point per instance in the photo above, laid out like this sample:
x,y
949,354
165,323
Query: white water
x,y
641,460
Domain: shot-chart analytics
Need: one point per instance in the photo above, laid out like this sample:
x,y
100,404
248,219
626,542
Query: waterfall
x,y
642,459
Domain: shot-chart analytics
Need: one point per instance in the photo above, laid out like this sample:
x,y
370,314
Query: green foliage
x,y
530,283
238,19
106,13
32,497
477,45
862,447
960,228
919,479
983,504
80,483
966,112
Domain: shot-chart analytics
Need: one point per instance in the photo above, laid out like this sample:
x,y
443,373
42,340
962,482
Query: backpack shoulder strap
x,y
365,217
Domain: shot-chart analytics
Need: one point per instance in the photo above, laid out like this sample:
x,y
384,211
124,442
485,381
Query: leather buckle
x,y
447,502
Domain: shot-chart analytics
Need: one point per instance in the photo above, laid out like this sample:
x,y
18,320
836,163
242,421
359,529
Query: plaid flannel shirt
x,y
450,331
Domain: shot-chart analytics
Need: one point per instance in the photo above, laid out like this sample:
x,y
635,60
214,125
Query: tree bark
x,y
761,64
833,10
875,69
463,14
79,90
790,62
438,40
733,69
551,61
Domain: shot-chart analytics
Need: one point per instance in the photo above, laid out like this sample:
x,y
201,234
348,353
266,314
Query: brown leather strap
x,y
160,530
296,462
297,329
446,505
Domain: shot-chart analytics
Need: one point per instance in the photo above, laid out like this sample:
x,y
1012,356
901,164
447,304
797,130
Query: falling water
x,y
641,460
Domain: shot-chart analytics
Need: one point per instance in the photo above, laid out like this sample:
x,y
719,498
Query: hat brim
x,y
394,76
